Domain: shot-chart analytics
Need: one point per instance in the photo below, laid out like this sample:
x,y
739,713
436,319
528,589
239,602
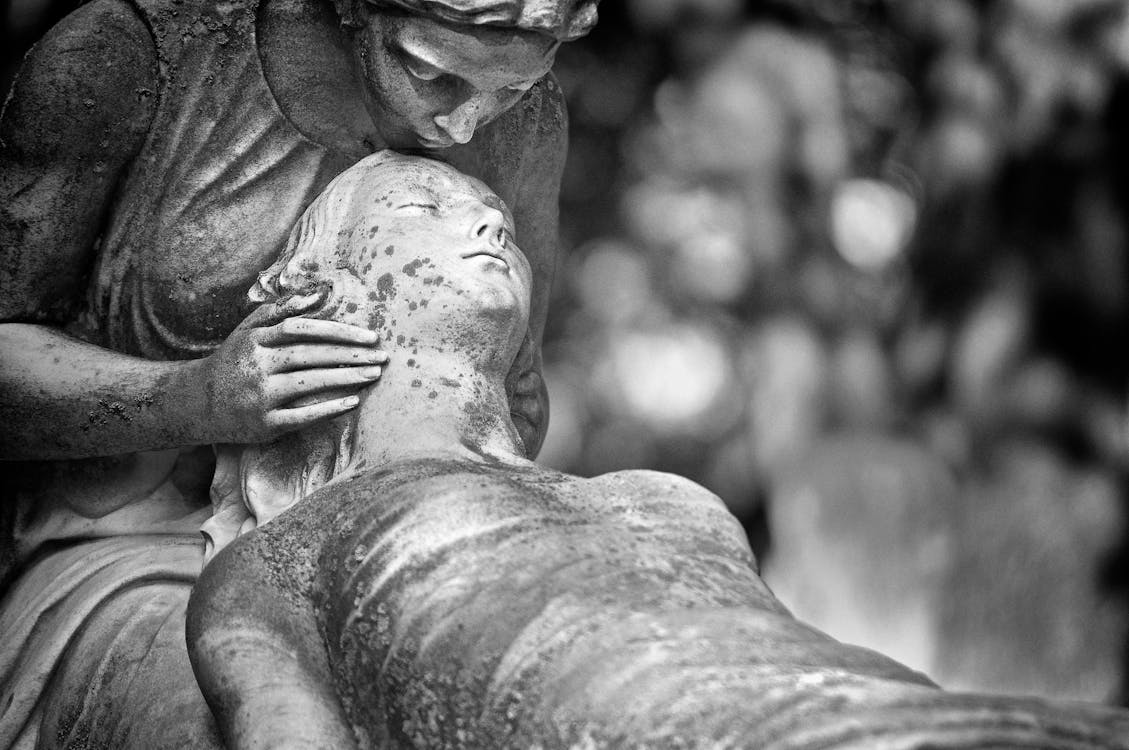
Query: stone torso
x,y
212,196
402,567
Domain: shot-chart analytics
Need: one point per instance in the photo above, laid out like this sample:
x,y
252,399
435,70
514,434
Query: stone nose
x,y
459,124
487,223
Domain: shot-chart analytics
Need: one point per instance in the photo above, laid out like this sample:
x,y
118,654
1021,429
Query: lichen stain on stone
x,y
376,319
385,287
390,250
410,269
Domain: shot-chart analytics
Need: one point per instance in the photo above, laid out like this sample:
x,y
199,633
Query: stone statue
x,y
154,155
430,587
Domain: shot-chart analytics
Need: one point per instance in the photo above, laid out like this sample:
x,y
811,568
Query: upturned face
x,y
414,249
444,234
430,84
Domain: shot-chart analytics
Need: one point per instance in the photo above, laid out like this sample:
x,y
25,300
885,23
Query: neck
x,y
432,403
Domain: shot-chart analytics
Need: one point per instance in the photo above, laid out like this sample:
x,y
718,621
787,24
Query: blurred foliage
x,y
793,217
810,238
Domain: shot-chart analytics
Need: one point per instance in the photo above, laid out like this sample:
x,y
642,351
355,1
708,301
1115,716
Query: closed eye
x,y
425,206
420,69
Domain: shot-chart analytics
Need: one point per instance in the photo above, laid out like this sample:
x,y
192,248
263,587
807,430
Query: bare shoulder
x,y
657,485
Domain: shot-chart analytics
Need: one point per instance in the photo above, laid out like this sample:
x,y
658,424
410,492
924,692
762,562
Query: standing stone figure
x,y
430,587
154,155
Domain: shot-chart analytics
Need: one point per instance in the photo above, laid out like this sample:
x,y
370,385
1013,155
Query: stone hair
x,y
325,225
563,20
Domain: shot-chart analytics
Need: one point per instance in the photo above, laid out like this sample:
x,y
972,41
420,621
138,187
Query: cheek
x,y
386,84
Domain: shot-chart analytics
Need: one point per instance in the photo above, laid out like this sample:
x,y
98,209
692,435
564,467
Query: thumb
x,y
287,307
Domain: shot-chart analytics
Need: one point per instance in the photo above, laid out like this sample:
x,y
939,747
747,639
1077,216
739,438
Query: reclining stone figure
x,y
429,587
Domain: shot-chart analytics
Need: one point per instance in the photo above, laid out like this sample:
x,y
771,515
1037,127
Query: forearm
x,y
258,656
64,398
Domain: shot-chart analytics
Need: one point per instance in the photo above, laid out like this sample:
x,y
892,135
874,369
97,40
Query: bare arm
x,y
78,114
258,655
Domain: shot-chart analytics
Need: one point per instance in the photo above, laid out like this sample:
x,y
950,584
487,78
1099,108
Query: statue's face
x,y
438,228
430,85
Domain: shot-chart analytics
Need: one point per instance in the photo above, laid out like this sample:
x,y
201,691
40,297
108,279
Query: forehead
x,y
434,181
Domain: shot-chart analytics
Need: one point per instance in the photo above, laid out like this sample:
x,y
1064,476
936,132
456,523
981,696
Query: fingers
x,y
277,312
310,356
303,416
294,330
288,386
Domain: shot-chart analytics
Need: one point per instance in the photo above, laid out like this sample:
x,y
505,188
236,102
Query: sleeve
x,y
77,114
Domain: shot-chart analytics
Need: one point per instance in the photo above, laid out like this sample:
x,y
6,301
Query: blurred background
x,y
860,267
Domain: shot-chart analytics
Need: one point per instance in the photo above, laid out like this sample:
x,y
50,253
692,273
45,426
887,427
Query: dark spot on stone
x,y
385,286
449,382
351,307
372,295
373,230
390,250
412,306
417,383
400,340
433,394
411,363
411,268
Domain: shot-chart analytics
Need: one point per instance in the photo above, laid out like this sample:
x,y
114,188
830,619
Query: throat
x,y
432,404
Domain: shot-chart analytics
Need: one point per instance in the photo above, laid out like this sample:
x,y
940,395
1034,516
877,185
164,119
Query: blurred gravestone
x,y
990,584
